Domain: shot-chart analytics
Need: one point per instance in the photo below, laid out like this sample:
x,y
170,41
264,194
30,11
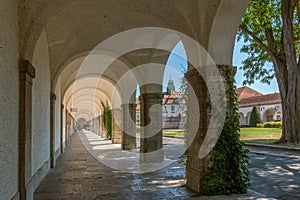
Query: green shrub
x,y
259,125
107,119
254,117
273,125
277,124
268,125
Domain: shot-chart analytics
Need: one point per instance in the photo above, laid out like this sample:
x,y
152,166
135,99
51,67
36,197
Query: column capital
x,y
26,67
192,74
223,68
151,96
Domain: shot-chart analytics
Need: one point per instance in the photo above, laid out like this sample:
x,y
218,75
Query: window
x,y
172,109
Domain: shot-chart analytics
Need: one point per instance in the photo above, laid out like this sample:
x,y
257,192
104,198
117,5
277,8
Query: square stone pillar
x,y
52,130
198,168
129,127
151,149
26,75
66,127
61,129
116,123
101,126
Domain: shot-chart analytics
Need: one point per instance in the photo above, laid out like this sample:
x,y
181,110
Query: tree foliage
x,y
271,33
261,29
254,117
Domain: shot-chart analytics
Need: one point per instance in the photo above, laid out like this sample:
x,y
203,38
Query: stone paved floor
x,y
79,175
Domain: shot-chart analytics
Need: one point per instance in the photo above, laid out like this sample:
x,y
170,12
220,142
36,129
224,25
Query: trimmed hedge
x,y
270,125
259,125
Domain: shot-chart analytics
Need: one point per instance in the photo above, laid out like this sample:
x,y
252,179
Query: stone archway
x,y
269,115
72,27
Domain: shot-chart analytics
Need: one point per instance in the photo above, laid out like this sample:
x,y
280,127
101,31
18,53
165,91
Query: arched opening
x,y
73,27
243,119
248,118
269,115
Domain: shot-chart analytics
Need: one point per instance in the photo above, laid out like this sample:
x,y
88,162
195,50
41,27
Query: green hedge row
x,y
270,125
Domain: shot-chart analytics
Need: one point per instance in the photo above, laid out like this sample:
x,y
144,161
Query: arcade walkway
x,y
78,175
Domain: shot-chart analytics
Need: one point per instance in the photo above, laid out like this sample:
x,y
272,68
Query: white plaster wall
x,y
264,108
9,87
41,105
57,114
245,110
179,109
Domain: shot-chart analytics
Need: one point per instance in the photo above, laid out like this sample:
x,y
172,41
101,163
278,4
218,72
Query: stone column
x,y
129,127
52,130
26,74
116,123
61,129
66,127
151,127
103,131
100,126
197,168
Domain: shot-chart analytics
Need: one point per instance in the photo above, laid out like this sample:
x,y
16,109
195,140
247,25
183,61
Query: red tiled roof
x,y
169,98
260,100
246,92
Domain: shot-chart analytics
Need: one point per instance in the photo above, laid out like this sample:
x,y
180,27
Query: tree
x,y
254,117
271,32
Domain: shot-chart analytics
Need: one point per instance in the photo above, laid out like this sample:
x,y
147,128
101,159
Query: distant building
x,y
269,105
174,108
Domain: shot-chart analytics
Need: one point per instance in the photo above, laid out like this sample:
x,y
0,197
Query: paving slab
x,y
81,174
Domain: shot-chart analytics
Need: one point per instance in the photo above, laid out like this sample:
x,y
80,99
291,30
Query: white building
x,y
173,111
269,105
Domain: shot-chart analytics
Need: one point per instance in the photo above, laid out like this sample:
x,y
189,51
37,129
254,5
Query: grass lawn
x,y
260,135
173,133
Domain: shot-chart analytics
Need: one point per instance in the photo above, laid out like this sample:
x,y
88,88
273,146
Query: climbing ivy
x,y
107,119
228,173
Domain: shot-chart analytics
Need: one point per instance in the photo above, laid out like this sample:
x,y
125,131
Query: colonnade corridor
x,y
78,175
73,65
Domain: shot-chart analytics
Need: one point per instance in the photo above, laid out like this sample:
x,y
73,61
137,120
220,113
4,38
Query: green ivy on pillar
x,y
228,173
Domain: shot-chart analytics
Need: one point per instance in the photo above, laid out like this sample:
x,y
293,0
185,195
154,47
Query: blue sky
x,y
177,65
238,57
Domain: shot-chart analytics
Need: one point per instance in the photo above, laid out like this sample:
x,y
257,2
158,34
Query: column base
x,y
117,140
194,180
155,156
128,146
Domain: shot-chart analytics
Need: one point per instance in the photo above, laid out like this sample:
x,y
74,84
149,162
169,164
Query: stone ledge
x,y
269,146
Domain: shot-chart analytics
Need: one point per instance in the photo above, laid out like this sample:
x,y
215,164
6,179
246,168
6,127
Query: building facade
x,y
268,106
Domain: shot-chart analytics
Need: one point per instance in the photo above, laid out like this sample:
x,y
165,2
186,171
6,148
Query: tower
x,y
171,86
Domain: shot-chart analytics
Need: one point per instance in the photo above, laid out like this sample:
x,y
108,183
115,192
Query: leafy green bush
x,y
273,125
259,125
268,125
254,117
